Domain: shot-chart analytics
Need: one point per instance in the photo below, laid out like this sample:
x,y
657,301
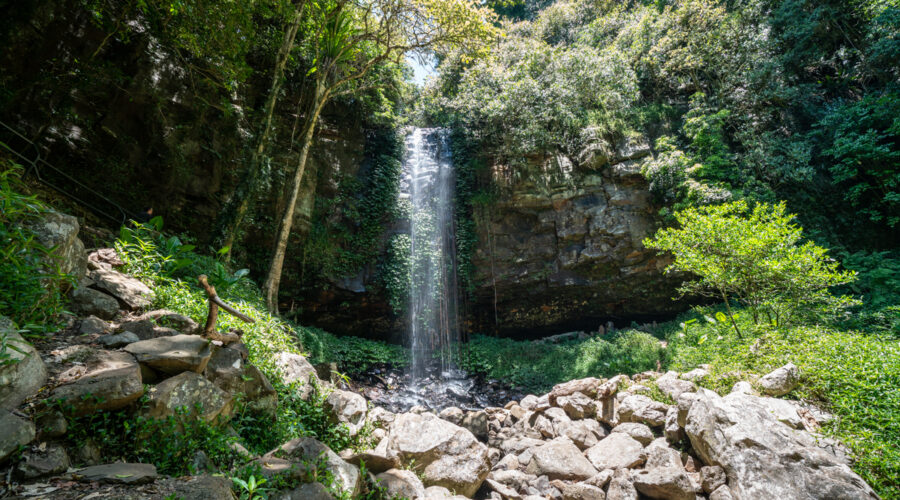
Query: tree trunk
x,y
273,279
247,187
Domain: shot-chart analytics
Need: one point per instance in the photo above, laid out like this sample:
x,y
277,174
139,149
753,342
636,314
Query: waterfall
x,y
428,182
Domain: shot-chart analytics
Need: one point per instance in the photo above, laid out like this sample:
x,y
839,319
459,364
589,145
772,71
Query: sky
x,y
423,67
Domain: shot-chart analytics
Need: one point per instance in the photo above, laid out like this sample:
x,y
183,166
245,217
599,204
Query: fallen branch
x,y
209,331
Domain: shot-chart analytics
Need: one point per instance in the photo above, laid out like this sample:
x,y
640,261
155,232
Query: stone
x,y
89,453
529,402
621,487
452,414
92,325
59,232
684,403
170,319
446,454
376,460
581,491
711,477
501,489
205,487
695,375
118,473
640,432
584,433
577,406
185,391
52,424
173,355
671,430
345,407
401,484
44,461
228,371
516,480
146,329
560,459
104,258
110,380
673,387
586,386
308,491
118,339
744,387
665,483
23,373
762,457
295,369
87,301
128,290
441,493
316,454
601,479
781,380
508,462
618,450
722,493
14,432
637,408
476,422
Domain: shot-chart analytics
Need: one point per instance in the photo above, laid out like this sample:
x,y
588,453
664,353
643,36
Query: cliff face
x,y
565,252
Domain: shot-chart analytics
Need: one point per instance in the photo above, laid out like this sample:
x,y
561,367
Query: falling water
x,y
429,182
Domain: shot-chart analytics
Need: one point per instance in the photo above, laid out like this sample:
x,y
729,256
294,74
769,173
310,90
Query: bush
x,y
756,258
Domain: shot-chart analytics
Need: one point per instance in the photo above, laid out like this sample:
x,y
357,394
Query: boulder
x,y
711,477
312,453
621,486
695,375
92,325
637,408
671,430
640,432
169,319
764,458
118,473
476,422
399,483
109,380
59,232
115,340
582,491
128,290
584,433
14,432
722,493
345,407
577,406
173,355
204,487
673,387
228,371
560,459
446,454
146,329
87,301
295,369
441,493
23,373
376,460
586,386
44,461
781,380
618,450
186,391
665,483
308,491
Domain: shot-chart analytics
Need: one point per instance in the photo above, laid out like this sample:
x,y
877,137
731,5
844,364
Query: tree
x,y
351,39
755,256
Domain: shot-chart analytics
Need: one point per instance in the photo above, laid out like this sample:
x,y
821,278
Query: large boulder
x,y
59,232
128,290
44,461
781,380
191,393
560,459
202,487
673,387
146,329
170,319
118,473
23,373
637,408
345,407
399,483
173,355
764,458
587,386
105,380
295,369
87,301
14,432
618,450
313,454
446,454
227,369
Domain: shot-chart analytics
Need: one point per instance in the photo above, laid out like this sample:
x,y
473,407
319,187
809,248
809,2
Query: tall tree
x,y
353,37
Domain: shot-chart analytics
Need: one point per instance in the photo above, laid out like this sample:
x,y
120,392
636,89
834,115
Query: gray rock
x,y
52,424
295,369
762,457
92,325
560,459
173,355
722,493
24,374
441,493
665,483
109,380
118,473
14,432
345,407
128,290
476,422
44,461
228,371
581,491
146,329
601,479
87,301
695,375
781,380
169,319
186,391
586,386
577,406
711,477
308,491
401,484
618,450
203,487
639,432
673,387
446,454
118,339
621,486
314,453
637,408
59,232
584,433
376,460
671,430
